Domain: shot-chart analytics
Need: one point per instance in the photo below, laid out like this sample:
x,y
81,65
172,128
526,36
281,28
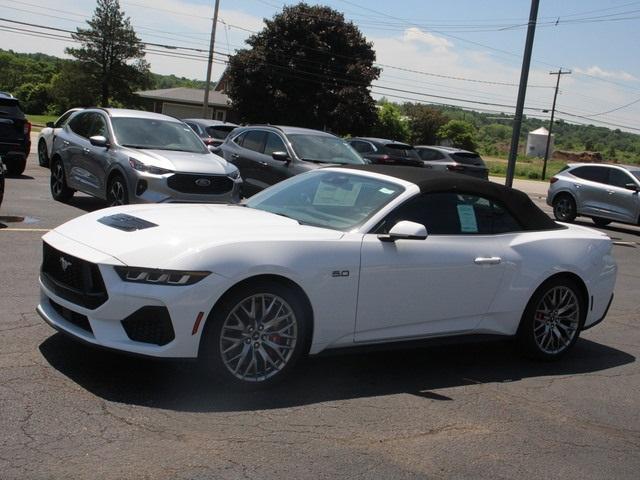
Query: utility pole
x,y
522,90
205,108
553,112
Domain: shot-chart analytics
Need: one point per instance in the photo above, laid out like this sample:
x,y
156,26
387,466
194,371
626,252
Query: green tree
x,y
391,124
112,54
307,67
424,123
462,134
72,87
35,97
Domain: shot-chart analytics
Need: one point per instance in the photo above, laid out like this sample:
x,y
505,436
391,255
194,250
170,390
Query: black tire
x,y
255,338
601,222
117,192
564,208
58,182
1,186
43,156
550,336
16,167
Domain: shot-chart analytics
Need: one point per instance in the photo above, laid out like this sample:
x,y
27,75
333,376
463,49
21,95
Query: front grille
x,y
200,184
72,278
149,325
72,317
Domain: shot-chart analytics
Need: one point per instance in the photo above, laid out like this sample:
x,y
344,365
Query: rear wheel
x,y
43,156
601,222
256,335
552,320
117,193
564,208
58,183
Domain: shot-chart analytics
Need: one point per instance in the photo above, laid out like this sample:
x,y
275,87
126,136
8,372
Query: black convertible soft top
x,y
518,203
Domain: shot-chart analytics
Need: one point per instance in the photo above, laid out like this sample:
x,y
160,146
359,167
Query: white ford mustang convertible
x,y
334,258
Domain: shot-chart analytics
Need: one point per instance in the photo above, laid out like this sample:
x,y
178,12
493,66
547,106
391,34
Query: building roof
x,y
193,96
518,203
540,131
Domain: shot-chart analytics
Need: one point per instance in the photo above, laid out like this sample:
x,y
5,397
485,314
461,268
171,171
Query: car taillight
x,y
209,141
385,158
455,168
553,180
27,128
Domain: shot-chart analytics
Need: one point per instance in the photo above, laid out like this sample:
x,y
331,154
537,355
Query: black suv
x,y
266,154
15,131
386,152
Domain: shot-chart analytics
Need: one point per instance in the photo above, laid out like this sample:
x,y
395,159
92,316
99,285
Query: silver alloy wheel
x,y
563,208
556,320
57,179
42,153
258,337
116,193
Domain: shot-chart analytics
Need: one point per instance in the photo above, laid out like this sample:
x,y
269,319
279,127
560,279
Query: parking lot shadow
x,y
88,204
611,230
182,386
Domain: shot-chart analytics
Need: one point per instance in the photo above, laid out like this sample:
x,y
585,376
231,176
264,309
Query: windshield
x,y
149,133
219,132
330,199
324,148
635,173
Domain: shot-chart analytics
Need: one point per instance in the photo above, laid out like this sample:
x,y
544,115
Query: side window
x,y
618,178
80,124
361,147
195,128
98,126
274,144
429,154
254,140
62,120
240,138
593,174
450,213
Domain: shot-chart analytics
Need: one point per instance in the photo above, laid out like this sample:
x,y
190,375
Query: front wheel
x,y
58,183
43,157
552,320
117,193
256,335
564,208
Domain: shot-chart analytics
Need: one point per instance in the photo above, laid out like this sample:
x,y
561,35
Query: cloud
x,y
414,34
599,72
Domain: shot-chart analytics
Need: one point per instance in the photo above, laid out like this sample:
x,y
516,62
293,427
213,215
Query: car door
x,y
590,191
96,160
273,171
250,160
443,284
72,151
622,204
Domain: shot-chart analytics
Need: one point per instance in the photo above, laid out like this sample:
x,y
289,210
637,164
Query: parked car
x,y
129,156
3,172
453,160
15,132
386,152
46,135
267,154
212,132
336,257
606,193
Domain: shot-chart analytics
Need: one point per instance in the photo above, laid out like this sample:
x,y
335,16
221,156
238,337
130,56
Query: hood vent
x,y
125,222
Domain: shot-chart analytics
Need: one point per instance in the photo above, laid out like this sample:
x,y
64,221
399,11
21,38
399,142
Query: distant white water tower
x,y
537,143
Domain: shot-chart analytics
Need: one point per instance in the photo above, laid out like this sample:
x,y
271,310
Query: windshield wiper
x,y
313,160
139,147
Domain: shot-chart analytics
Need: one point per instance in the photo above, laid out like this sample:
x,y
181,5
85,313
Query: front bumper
x,y
148,188
112,325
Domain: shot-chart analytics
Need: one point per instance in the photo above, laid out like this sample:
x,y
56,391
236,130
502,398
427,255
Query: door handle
x,y
264,164
487,260
65,143
577,185
610,192
235,156
86,150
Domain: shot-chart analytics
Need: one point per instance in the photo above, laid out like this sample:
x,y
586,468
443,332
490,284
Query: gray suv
x,y
606,193
266,154
453,160
129,156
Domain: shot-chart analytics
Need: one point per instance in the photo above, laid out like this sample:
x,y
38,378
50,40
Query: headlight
x,y
235,174
156,276
143,167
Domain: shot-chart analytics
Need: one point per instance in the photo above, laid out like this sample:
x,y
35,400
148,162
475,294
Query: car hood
x,y
183,161
174,236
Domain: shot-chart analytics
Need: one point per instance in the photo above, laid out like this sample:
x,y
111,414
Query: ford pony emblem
x,y
64,263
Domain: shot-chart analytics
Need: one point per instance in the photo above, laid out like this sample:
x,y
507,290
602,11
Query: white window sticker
x,y
386,191
467,217
337,195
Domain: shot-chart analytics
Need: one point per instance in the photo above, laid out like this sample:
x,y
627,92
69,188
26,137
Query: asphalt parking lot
x,y
466,411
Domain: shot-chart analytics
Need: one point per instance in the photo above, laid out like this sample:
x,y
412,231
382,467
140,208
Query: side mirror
x,y
49,124
215,149
281,156
99,141
632,186
405,230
